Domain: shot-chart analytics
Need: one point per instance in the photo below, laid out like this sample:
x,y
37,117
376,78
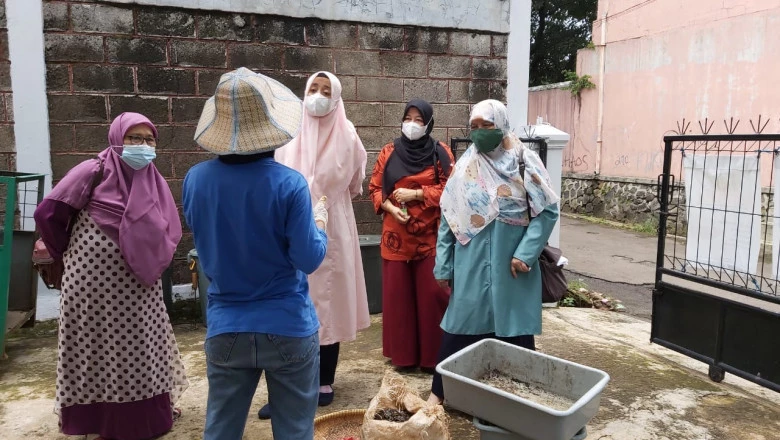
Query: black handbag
x,y
554,283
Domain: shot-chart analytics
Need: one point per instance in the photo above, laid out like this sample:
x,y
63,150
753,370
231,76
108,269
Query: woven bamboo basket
x,y
339,425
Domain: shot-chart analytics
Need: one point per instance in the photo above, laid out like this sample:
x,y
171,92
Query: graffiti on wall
x,y
574,162
577,158
643,161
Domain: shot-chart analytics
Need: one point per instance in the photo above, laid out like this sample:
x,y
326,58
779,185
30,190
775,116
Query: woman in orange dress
x,y
405,187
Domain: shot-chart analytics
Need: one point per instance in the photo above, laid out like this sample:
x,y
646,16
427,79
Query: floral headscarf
x,y
489,186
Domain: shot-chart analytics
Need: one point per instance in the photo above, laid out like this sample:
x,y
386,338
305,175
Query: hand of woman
x,y
518,266
403,195
399,215
444,284
321,213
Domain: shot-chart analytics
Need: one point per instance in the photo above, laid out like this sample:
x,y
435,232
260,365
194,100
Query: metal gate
x,y
717,294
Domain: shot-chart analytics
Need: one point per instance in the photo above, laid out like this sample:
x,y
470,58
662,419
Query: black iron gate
x,y
717,294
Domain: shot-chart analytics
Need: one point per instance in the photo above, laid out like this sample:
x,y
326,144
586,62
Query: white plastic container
x,y
532,421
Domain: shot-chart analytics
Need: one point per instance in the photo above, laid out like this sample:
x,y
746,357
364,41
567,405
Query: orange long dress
x,y
413,304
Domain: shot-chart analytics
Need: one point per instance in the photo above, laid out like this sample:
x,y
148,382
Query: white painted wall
x,y
31,115
28,82
518,59
486,15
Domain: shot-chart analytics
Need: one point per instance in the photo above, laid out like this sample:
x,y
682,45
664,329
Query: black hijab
x,y
412,157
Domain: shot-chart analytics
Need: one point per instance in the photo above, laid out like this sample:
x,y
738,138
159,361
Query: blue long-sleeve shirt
x,y
256,239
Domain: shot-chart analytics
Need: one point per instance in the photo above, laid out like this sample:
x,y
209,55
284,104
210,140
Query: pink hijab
x,y
134,208
327,151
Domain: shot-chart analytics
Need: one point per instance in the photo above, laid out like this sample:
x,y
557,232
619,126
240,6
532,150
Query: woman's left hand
x,y
403,195
518,266
444,284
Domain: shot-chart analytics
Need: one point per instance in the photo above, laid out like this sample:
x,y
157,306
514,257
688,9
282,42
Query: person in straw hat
x,y
257,238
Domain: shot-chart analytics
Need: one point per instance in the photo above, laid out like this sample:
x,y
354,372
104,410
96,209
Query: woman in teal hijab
x,y
498,211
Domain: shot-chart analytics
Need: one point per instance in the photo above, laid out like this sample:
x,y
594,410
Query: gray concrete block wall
x,y
103,59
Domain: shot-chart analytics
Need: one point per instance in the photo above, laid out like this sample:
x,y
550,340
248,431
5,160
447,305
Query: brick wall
x,y
7,143
104,59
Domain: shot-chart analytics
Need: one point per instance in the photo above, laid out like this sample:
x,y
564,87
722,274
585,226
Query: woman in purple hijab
x,y
118,361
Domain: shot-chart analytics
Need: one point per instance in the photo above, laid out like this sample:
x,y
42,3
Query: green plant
x,y
577,83
558,29
568,302
649,226
576,285
590,45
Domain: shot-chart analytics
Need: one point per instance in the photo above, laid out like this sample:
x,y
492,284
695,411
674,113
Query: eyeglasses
x,y
139,140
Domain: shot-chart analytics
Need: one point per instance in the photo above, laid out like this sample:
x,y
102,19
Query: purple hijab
x,y
134,208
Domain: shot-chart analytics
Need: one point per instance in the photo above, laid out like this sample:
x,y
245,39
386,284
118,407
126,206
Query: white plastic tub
x,y
462,390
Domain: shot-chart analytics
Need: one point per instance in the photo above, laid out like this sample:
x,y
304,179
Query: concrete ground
x,y
654,393
617,262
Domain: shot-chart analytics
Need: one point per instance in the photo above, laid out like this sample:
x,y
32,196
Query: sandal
x,y
176,414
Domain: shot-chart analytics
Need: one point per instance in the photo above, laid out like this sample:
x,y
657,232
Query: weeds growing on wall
x,y
577,83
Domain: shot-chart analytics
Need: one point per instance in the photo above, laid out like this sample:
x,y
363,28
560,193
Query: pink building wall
x,y
663,61
554,105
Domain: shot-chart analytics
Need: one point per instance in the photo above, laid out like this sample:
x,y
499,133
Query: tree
x,y
558,29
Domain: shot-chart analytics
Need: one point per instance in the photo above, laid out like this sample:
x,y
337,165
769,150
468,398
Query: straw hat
x,y
249,113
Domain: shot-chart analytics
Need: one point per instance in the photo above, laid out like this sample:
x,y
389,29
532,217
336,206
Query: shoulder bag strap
x,y
521,165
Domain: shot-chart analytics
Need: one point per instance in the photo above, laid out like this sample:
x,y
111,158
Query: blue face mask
x,y
138,156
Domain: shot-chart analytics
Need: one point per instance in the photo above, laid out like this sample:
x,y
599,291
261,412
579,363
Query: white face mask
x,y
318,105
413,131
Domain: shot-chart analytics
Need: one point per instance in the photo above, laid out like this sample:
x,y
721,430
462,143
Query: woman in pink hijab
x,y
113,222
330,155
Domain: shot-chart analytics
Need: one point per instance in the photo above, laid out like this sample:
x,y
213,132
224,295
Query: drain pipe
x,y
602,72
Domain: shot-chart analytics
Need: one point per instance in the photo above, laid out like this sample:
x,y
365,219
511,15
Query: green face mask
x,y
486,139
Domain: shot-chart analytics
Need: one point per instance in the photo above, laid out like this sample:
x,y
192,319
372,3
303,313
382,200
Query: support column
x,y
28,83
518,62
556,141
31,113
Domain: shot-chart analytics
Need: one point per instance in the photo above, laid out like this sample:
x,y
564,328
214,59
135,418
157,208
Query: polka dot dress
x,y
116,343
